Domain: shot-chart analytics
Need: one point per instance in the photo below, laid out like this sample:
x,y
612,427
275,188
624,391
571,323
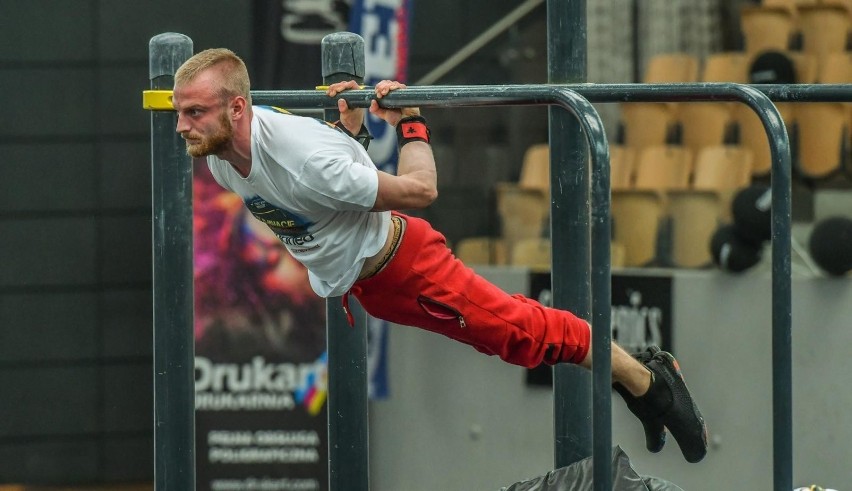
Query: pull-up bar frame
x,y
781,177
576,99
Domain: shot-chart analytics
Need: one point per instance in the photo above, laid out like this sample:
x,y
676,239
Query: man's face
x,y
202,117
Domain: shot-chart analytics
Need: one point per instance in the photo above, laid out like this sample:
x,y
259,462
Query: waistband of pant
x,y
406,251
395,240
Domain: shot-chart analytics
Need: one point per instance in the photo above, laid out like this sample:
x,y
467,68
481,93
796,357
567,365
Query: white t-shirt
x,y
313,186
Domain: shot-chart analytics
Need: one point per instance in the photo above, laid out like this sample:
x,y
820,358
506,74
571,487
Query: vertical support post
x,y
348,459
174,350
782,314
601,323
569,225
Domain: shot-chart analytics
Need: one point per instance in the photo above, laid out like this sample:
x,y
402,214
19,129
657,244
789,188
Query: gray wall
x,y
75,267
458,420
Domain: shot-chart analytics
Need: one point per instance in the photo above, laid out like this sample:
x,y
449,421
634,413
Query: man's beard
x,y
215,143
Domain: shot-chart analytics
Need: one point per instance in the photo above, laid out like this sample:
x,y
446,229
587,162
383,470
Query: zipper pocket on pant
x,y
440,310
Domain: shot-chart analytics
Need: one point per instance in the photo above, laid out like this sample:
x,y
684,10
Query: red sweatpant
x,y
425,286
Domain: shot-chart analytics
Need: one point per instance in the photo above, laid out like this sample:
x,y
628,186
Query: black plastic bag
x,y
578,477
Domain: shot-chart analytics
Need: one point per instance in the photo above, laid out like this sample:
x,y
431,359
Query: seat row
x,y
651,189
820,132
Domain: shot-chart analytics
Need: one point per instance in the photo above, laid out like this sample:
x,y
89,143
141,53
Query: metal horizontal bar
x,y
503,95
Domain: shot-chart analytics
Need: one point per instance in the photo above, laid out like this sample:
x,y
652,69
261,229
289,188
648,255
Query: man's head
x,y
211,92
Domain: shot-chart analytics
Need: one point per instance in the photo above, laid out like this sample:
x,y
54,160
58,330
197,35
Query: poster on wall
x,y
640,314
260,362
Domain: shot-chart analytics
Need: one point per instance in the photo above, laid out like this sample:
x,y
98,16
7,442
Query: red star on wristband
x,y
415,130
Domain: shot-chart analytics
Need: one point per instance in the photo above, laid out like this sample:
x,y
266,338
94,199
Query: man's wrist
x,y
412,128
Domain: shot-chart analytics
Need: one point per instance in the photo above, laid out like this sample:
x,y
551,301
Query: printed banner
x,y
286,48
384,26
260,364
641,314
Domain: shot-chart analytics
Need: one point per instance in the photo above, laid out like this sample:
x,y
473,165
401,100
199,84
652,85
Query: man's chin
x,y
197,151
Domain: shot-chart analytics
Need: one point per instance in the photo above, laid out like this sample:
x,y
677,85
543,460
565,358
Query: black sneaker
x,y
667,404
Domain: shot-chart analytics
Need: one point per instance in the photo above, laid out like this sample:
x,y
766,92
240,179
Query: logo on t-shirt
x,y
290,228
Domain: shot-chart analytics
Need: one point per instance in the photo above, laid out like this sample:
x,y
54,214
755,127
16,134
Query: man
x,y
315,186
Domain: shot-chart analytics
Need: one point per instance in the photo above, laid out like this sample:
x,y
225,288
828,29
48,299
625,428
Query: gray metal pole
x,y
348,427
570,230
174,350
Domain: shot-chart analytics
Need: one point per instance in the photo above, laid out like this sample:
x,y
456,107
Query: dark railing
x,y
173,359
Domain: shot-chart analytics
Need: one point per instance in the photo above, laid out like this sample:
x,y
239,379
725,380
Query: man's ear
x,y
238,107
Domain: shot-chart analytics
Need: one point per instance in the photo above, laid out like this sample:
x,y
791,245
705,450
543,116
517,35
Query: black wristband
x,y
412,129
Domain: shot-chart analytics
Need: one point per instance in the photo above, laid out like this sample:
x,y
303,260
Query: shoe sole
x,y
684,434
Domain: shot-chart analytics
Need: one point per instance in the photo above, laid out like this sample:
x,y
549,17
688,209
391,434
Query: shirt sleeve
x,y
339,182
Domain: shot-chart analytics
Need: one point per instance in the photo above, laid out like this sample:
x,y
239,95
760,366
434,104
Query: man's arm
x,y
416,183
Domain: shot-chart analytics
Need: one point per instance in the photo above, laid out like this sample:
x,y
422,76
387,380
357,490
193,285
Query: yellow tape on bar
x,y
157,100
161,100
325,87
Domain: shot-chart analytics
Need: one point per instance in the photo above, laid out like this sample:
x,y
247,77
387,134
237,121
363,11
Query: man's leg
x,y
626,371
653,388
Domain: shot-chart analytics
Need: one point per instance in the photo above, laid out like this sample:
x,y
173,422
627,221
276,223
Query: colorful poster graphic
x,y
260,364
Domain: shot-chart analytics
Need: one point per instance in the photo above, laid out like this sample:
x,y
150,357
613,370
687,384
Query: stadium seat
x,y
482,250
533,253
646,124
663,167
766,28
705,124
621,163
823,138
695,215
535,169
726,66
523,213
722,168
671,68
636,217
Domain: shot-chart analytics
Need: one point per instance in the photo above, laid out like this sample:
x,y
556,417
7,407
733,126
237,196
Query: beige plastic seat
x,y
535,169
837,69
636,219
696,212
621,163
792,6
766,27
663,167
726,66
646,124
806,66
825,29
671,68
695,216
722,168
533,253
823,137
523,213
705,124
482,250
617,255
